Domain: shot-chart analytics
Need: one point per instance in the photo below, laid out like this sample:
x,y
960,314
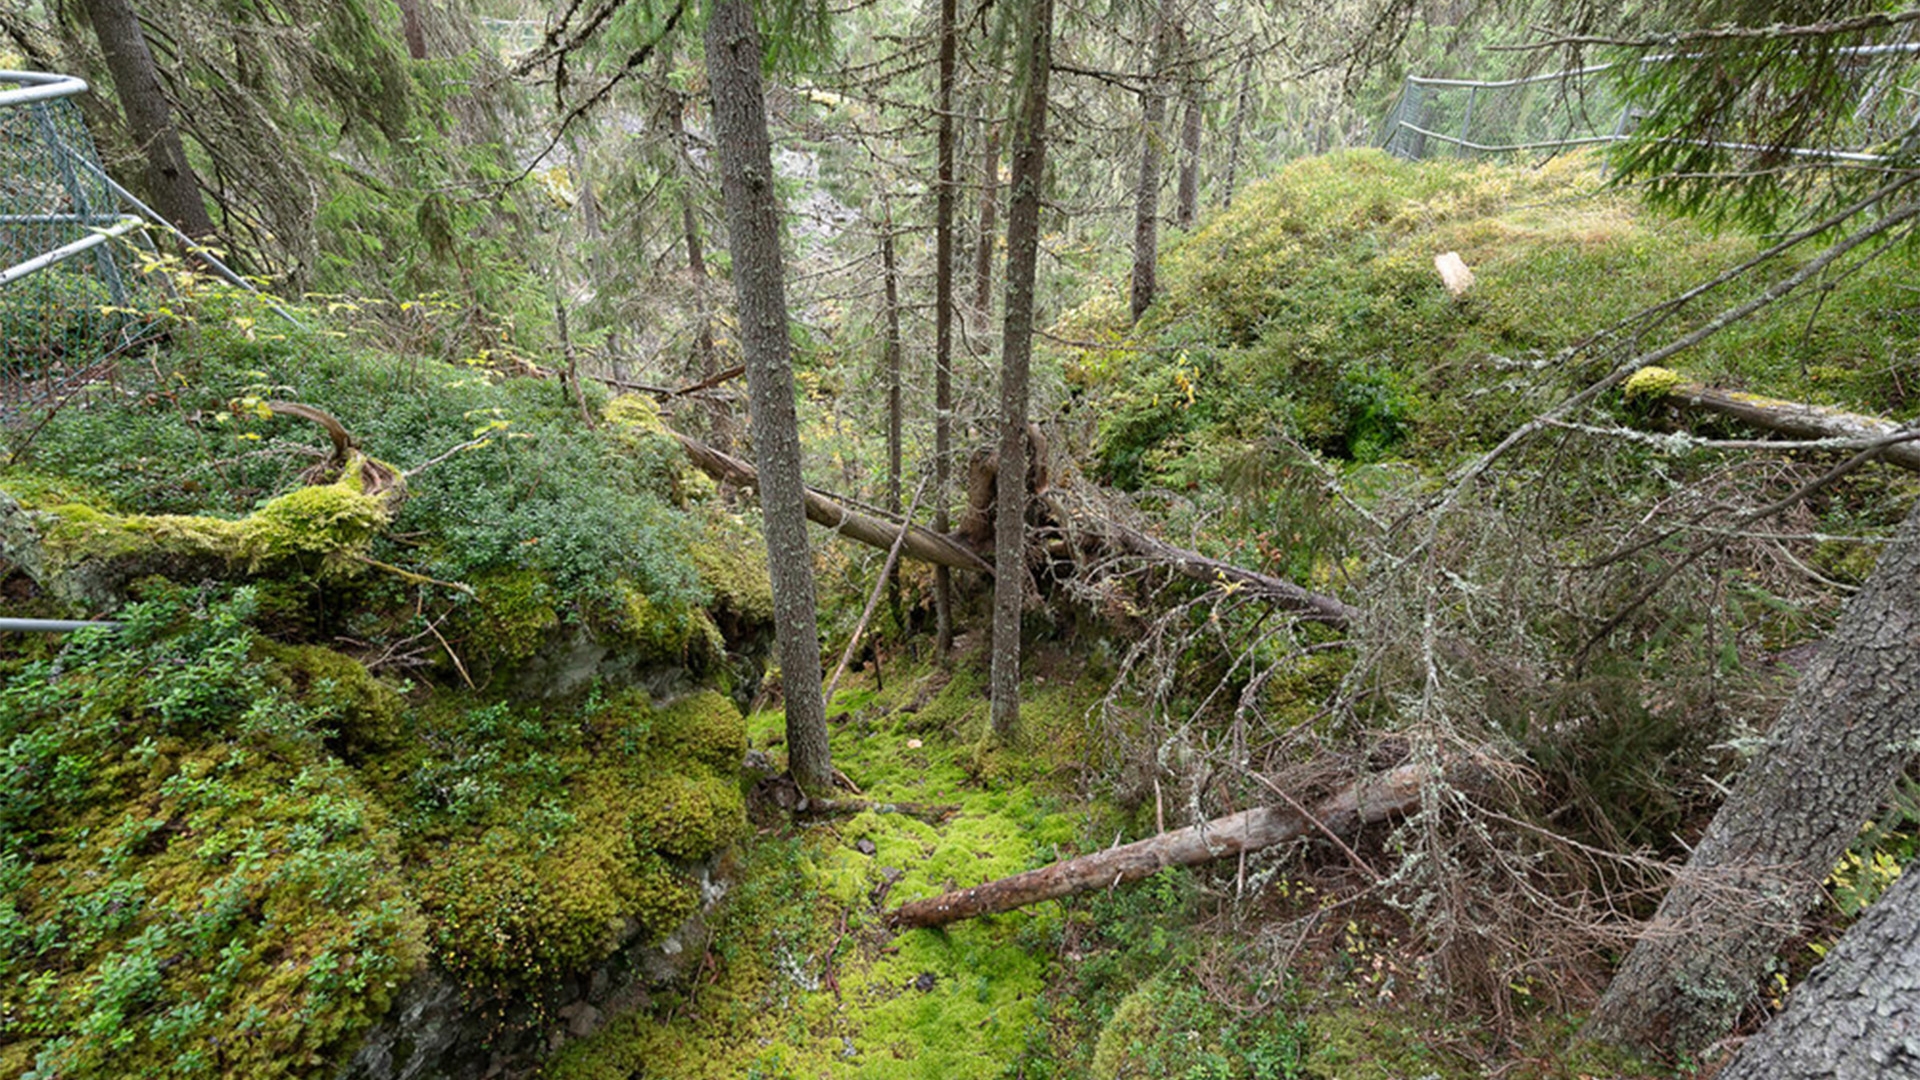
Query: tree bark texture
x,y
747,184
922,544
1023,252
943,329
413,28
1857,1015
1372,800
1146,196
1830,760
171,184
1794,418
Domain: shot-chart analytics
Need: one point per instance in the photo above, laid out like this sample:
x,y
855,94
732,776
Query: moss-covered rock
x,y
365,711
688,815
701,727
511,617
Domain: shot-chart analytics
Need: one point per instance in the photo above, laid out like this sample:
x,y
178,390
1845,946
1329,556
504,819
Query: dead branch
x,y
1793,418
922,544
1198,567
1371,800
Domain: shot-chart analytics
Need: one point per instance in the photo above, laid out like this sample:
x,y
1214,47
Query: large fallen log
x,y
924,545
1374,799
1793,418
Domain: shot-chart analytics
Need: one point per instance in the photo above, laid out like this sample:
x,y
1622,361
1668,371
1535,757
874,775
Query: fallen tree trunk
x,y
922,544
1771,414
1198,567
1374,799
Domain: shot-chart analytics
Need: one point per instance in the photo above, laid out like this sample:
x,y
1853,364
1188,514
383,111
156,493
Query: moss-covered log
x,y
1793,418
1374,799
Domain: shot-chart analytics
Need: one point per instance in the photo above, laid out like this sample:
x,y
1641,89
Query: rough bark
x,y
1023,251
921,544
734,56
1146,194
1833,755
171,184
413,28
1856,1015
943,328
1371,800
1786,417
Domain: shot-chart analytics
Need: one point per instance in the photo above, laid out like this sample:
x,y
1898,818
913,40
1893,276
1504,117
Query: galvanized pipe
x,y
50,626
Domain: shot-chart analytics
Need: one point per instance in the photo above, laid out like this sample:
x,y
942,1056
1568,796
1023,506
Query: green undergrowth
x,y
224,856
807,983
1313,308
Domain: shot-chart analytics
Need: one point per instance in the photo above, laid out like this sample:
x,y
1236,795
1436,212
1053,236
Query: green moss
x,y
665,634
364,710
703,727
732,563
688,816
332,523
1650,382
512,615
1356,1043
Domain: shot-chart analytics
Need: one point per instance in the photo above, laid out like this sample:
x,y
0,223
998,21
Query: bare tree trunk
x,y
1146,196
414,29
1855,1015
720,426
1023,251
890,288
943,330
1186,206
171,184
734,57
1371,800
1239,124
1830,759
989,207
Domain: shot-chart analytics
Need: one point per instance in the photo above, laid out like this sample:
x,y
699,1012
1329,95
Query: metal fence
x,y
1564,110
63,291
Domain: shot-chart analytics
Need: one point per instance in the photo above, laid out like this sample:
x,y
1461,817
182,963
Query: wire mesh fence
x,y
66,289
1564,110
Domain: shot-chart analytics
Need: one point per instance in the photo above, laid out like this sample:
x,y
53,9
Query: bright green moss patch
x,y
511,616
1650,382
688,817
189,884
365,711
703,727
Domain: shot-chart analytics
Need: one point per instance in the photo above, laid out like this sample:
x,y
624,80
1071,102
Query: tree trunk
x,y
1023,252
1855,1016
1187,205
943,330
1146,197
989,207
1371,800
706,358
734,57
414,28
890,290
171,185
1830,759
1239,125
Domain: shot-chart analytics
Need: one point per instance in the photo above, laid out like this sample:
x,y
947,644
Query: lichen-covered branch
x,y
1772,414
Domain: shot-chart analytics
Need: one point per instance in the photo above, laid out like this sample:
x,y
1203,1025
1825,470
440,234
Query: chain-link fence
x,y
63,293
1562,110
